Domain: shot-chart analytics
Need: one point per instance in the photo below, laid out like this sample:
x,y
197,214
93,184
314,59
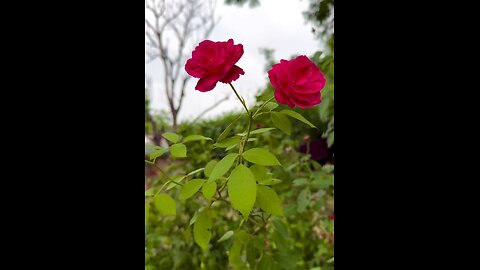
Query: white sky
x,y
275,24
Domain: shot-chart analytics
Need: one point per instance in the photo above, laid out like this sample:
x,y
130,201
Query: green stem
x,y
261,107
239,98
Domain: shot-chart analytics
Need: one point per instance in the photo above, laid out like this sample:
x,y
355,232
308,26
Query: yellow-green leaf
x,y
242,190
192,138
202,230
261,156
209,167
190,188
165,204
222,167
281,122
178,150
269,201
174,138
298,117
209,189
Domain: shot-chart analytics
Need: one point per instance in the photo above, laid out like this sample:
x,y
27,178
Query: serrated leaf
x,y
298,116
178,150
268,200
261,156
165,204
149,192
227,142
227,130
192,138
209,189
190,188
173,137
242,190
209,167
157,153
222,167
259,172
225,236
270,182
281,122
303,200
202,230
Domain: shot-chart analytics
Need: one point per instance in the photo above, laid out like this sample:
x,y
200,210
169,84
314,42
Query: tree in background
x,y
172,29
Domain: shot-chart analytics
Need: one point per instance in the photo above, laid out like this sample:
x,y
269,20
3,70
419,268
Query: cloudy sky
x,y
275,24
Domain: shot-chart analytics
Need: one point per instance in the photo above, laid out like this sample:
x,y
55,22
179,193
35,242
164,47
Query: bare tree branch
x,y
171,31
200,115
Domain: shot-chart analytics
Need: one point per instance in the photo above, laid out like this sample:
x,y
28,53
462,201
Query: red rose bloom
x,y
214,62
297,82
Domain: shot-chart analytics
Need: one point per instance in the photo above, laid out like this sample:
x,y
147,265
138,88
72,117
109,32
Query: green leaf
x,y
228,129
147,213
202,230
227,142
269,201
226,236
174,138
165,204
271,106
209,167
256,131
323,181
298,117
209,189
281,122
303,200
222,167
270,182
190,188
259,172
157,153
195,171
261,156
149,192
192,138
242,190
178,150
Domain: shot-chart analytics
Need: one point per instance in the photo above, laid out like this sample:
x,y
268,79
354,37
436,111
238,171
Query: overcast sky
x,y
275,24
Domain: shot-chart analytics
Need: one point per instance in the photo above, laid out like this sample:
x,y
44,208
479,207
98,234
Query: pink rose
x,y
214,62
297,82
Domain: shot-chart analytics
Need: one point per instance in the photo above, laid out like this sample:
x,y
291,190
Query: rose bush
x,y
246,199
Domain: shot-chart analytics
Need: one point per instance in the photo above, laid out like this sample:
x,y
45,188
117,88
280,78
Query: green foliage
x,y
249,199
242,189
